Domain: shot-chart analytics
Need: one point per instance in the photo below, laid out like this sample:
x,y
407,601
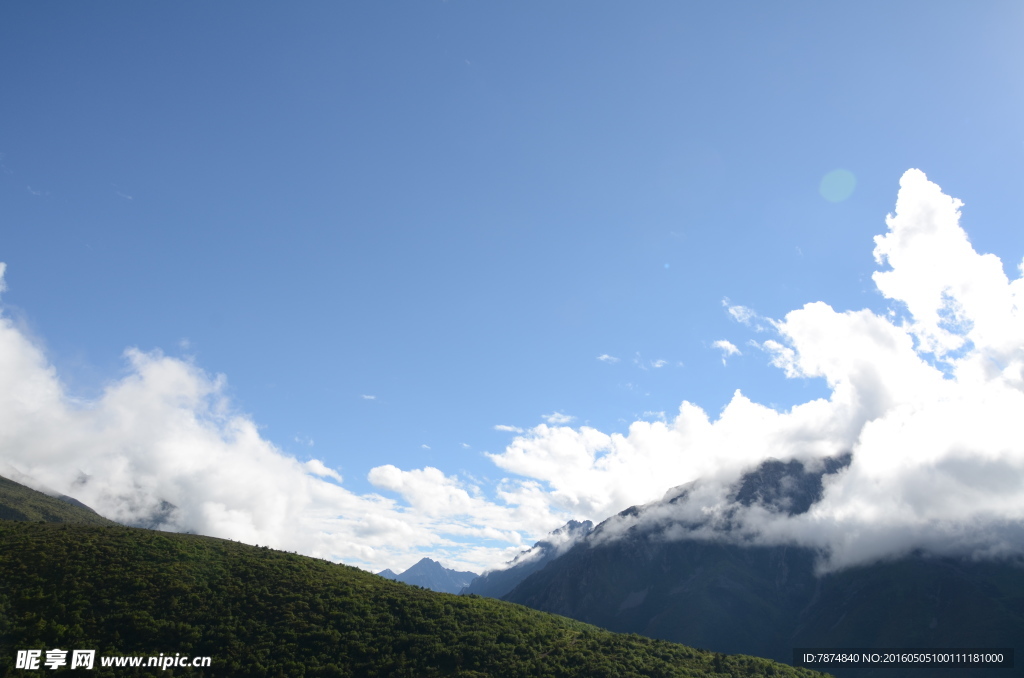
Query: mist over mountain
x,y
787,487
662,571
430,574
497,583
20,502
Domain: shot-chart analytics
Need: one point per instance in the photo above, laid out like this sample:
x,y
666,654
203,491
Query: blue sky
x,y
392,228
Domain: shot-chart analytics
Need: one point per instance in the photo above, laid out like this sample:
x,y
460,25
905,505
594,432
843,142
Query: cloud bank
x,y
927,397
162,447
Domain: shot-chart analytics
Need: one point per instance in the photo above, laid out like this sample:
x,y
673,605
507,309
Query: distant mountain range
x,y
430,574
765,601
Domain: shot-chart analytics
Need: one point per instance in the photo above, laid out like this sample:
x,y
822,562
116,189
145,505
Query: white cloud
x,y
425,446
368,397
427,489
558,418
928,400
639,361
747,316
956,297
929,406
604,357
166,432
317,467
727,348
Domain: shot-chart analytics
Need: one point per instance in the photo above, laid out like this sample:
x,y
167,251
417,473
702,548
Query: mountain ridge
x,y
432,575
729,596
262,613
499,582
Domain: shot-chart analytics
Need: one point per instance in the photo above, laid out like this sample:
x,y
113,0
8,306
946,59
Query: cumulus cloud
x,y
558,418
605,358
163,447
926,397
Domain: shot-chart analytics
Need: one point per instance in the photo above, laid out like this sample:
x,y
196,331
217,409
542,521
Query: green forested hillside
x,y
18,502
259,612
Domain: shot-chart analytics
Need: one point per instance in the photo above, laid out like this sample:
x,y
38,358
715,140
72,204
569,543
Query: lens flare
x,y
837,185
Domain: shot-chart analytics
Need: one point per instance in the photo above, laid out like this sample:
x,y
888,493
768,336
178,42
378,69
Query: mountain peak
x,y
791,487
431,574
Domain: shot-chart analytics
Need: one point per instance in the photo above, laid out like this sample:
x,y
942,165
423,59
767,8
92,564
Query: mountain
x,y
430,574
498,583
18,502
767,600
258,613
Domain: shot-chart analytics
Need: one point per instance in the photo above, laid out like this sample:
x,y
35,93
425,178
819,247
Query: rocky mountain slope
x,y
766,600
498,583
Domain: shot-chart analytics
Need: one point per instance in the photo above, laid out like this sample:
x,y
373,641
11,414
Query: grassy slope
x,y
18,502
259,612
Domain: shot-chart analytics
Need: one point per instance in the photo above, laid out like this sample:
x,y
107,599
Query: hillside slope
x,y
259,612
18,502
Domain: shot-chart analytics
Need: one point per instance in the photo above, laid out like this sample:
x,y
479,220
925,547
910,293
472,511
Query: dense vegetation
x,y
18,502
260,612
